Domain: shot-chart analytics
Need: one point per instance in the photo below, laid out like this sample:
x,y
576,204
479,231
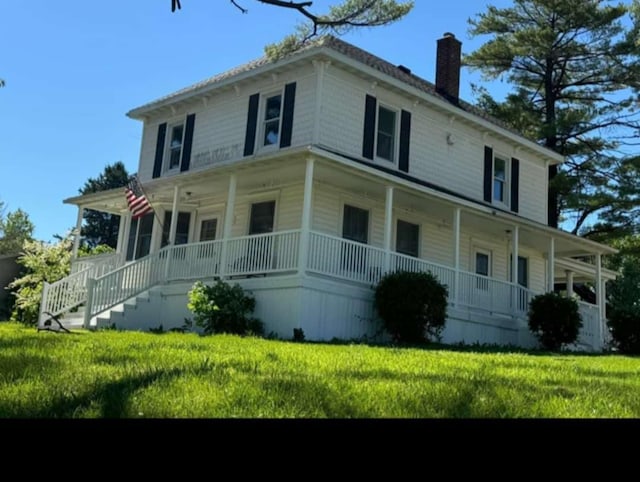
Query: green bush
x,y
624,324
624,313
223,308
413,306
555,320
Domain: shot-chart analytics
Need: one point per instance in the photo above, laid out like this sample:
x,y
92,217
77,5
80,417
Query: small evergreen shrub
x,y
223,308
624,313
413,306
555,320
624,324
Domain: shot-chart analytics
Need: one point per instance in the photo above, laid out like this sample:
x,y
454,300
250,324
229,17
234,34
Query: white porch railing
x,y
263,253
194,261
492,295
445,274
591,333
341,258
65,294
101,263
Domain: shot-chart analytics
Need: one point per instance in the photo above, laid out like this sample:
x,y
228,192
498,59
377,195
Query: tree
x,y
99,227
15,229
574,67
42,262
339,20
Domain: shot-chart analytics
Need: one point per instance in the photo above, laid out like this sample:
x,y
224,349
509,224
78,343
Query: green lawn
x,y
132,375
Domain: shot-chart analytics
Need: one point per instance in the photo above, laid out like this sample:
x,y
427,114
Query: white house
x,y
307,178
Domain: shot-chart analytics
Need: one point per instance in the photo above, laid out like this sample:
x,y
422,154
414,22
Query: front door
x,y
259,252
482,287
355,227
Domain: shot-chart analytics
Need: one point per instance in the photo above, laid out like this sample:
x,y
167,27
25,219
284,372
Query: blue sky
x,y
74,68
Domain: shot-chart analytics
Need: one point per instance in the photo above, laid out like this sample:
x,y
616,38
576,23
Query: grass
x,y
110,374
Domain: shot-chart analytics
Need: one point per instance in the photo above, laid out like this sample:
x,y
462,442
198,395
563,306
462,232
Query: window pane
x,y
144,235
523,274
175,146
208,229
407,238
355,224
132,239
273,108
182,228
262,217
386,133
482,264
500,169
498,190
271,131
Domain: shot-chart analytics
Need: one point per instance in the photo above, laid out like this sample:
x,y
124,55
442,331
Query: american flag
x,y
137,201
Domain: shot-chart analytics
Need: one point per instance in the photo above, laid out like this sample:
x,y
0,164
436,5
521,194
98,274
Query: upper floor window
x,y
386,134
500,180
272,119
176,136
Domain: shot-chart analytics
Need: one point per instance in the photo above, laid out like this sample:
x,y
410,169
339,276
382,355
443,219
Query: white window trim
x,y
208,217
261,118
396,135
507,180
167,151
360,205
395,236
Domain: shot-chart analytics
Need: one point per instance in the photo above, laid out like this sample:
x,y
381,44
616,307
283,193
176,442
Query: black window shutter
x,y
287,114
369,127
515,184
252,124
488,172
188,140
157,163
405,136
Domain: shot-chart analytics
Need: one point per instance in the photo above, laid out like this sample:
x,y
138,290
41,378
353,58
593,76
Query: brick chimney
x,y
448,67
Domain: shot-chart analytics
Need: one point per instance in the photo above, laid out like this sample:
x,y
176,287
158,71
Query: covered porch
x,y
312,215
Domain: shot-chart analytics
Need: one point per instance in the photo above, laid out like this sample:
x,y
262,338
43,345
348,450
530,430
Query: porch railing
x,y
492,295
65,294
590,334
101,263
263,253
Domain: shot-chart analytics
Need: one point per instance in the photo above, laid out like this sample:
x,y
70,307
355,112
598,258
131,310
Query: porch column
x,y
174,216
599,290
514,266
388,226
569,274
228,222
121,229
456,255
76,239
551,262
305,224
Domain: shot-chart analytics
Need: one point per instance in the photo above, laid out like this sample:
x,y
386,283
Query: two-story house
x,y
307,178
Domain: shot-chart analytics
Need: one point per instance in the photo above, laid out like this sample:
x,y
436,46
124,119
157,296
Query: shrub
x,y
413,306
624,313
555,320
223,308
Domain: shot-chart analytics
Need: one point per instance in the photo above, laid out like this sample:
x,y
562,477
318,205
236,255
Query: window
x,y
262,217
175,145
483,268
272,117
355,224
182,228
208,229
523,271
407,238
386,134
500,180
139,243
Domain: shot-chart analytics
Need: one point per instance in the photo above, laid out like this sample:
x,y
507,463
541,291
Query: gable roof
x,y
351,52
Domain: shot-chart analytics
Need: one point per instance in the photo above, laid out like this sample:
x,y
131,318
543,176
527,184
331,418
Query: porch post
x,y
456,255
122,227
228,222
569,274
514,266
76,239
174,216
305,223
552,262
388,227
599,296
